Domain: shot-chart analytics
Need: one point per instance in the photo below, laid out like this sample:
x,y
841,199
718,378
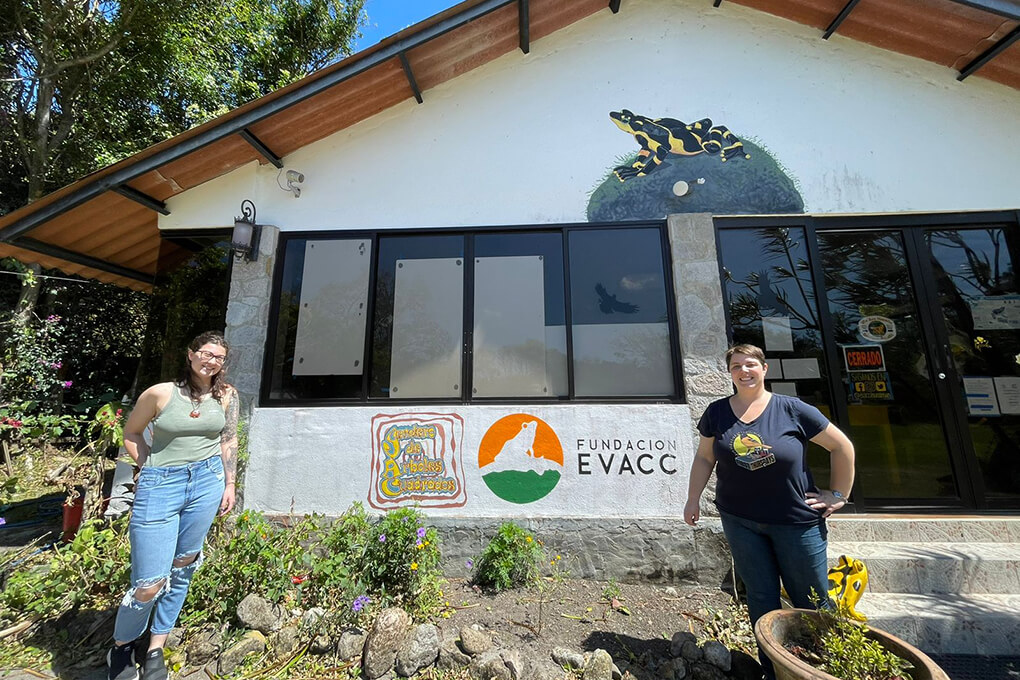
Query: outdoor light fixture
x,y
244,241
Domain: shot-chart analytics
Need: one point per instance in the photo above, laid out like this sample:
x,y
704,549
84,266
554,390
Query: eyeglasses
x,y
209,356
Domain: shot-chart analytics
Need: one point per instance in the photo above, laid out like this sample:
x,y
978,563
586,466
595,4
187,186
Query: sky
x,y
386,17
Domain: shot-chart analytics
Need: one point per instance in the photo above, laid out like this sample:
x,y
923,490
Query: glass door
x,y
977,314
895,402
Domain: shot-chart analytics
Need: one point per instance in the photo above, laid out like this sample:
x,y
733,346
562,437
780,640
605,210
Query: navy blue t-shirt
x,y
761,467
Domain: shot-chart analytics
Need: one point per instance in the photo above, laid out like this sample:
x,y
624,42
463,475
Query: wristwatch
x,y
837,495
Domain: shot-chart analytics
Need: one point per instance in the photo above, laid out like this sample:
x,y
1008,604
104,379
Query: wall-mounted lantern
x,y
244,241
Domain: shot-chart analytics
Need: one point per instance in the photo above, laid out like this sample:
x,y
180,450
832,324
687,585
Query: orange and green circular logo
x,y
520,458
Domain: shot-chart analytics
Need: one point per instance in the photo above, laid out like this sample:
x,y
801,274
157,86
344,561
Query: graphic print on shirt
x,y
750,452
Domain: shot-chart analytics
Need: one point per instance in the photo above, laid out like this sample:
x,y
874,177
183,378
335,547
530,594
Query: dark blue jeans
x,y
765,553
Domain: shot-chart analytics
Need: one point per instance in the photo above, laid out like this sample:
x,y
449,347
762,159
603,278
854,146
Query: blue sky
x,y
386,17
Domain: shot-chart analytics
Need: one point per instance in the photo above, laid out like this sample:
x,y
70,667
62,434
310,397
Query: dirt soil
x,y
577,615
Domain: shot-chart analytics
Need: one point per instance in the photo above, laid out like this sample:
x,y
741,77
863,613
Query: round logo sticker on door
x,y
877,328
520,458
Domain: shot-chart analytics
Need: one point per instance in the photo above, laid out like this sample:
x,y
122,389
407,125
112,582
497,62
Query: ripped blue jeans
x,y
173,510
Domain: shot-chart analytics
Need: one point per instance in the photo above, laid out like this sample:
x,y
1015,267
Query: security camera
x,y
295,176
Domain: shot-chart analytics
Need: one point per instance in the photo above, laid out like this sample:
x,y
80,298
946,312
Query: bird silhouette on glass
x,y
609,304
767,298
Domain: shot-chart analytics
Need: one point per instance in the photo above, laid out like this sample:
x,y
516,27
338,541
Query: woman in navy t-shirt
x,y
772,513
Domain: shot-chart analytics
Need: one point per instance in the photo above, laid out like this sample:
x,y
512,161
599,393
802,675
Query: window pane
x,y
519,332
417,341
618,306
321,331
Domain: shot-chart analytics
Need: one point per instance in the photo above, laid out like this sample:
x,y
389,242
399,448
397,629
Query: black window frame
x,y
468,233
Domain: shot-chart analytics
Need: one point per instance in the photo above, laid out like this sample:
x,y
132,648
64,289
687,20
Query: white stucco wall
x,y
617,460
525,138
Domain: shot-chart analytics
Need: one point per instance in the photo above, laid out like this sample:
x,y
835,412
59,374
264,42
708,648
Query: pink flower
x,y
68,383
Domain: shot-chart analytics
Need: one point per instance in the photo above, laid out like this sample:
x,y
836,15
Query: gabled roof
x,y
104,226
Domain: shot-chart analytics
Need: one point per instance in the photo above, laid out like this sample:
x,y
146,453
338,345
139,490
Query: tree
x,y
83,84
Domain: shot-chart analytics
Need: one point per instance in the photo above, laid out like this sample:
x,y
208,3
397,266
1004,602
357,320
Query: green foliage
x,y
510,559
91,571
611,591
848,653
32,355
341,566
731,627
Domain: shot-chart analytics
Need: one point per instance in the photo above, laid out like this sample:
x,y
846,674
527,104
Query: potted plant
x,y
828,645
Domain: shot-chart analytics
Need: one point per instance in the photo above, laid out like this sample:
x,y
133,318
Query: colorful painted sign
x,y
877,328
520,458
864,358
416,458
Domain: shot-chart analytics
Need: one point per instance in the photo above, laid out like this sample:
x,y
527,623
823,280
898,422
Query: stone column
x,y
700,317
248,318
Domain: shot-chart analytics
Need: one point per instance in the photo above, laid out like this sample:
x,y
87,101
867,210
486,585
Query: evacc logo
x,y
520,458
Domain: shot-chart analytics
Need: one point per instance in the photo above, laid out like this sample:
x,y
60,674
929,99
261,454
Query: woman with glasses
x,y
187,476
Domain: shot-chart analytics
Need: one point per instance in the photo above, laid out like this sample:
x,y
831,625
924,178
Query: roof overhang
x,y
104,226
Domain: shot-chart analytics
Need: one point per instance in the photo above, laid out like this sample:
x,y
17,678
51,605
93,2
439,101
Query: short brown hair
x,y
752,351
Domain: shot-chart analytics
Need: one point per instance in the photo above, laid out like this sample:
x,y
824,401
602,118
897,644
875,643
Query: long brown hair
x,y
186,379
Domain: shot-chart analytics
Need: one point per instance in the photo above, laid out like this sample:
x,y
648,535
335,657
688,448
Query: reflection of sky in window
x,y
950,249
873,271
627,264
749,253
549,246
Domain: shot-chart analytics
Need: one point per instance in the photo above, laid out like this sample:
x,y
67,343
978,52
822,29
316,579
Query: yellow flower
x,y
420,546
557,557
528,539
414,565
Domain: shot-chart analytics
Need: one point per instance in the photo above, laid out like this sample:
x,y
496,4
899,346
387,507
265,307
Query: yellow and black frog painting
x,y
660,137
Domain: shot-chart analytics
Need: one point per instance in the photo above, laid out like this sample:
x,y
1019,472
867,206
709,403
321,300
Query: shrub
x,y
510,559
847,652
402,561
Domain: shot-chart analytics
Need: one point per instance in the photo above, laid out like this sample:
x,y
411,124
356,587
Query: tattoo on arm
x,y
228,438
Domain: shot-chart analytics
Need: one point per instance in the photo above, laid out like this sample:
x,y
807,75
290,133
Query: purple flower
x,y
53,318
58,364
382,538
470,564
359,603
421,532
67,383
2,521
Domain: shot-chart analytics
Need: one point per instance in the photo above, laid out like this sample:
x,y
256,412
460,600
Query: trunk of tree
x,y
29,295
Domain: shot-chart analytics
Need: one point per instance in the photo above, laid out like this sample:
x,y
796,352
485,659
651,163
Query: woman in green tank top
x,y
187,476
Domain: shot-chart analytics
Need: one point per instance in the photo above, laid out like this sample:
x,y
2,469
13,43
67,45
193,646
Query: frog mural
x,y
690,167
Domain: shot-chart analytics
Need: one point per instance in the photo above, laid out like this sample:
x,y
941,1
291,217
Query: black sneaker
x,y
154,668
121,662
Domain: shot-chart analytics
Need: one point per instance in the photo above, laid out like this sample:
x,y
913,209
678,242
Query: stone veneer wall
x,y
248,318
660,549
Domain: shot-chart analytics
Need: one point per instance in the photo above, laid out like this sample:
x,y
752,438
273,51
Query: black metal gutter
x,y
1004,8
241,121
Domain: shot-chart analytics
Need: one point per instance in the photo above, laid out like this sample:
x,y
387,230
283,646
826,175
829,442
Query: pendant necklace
x,y
196,405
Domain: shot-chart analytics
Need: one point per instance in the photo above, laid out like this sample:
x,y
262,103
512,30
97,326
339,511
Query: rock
x,y
419,649
175,639
691,651
717,654
321,644
679,669
490,665
204,647
599,666
565,657
176,659
312,616
260,614
251,643
474,641
676,645
514,662
671,592
743,666
285,642
545,670
702,670
352,644
451,657
382,642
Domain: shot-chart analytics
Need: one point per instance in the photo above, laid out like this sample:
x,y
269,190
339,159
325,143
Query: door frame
x,y
948,392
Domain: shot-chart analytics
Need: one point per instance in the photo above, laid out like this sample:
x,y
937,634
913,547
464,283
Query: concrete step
x,y
934,567
913,529
977,624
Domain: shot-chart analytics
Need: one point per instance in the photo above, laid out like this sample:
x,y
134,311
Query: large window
x,y
473,316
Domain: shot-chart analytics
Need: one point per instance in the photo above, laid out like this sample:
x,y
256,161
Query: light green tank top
x,y
178,438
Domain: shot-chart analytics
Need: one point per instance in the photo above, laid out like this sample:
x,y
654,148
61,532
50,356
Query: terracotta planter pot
x,y
777,627
72,518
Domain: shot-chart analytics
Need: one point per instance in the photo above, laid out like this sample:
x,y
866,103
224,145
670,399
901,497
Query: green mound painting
x,y
521,487
739,186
